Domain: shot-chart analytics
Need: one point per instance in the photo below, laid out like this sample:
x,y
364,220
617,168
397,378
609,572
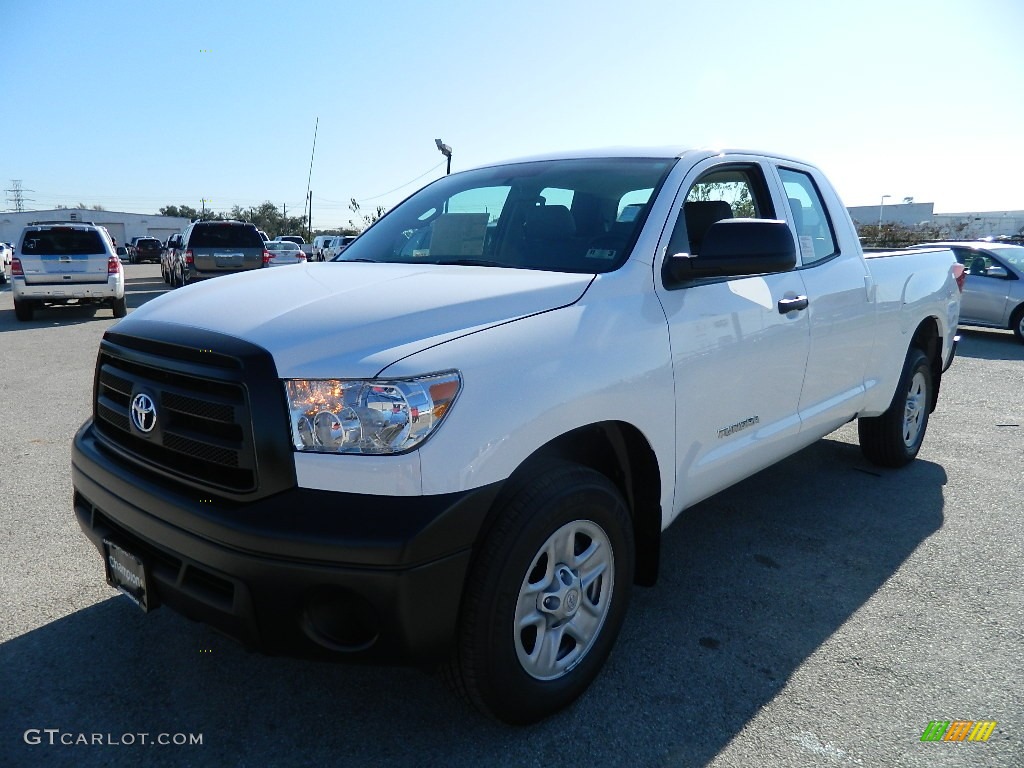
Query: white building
x,y
956,226
122,226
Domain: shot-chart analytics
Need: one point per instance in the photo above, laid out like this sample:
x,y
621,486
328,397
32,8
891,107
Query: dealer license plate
x,y
126,572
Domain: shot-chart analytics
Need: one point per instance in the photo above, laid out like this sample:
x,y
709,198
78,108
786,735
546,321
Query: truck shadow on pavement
x,y
753,582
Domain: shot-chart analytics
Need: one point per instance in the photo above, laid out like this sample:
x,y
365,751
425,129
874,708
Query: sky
x,y
137,104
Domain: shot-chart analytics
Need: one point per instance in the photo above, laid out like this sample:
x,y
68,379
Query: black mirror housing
x,y
734,247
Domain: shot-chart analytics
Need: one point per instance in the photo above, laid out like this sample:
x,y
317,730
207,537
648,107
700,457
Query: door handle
x,y
792,305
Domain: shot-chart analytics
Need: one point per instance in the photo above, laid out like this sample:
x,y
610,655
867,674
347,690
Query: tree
x,y
364,219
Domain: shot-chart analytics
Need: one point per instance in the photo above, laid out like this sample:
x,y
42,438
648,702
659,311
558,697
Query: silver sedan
x,y
994,289
284,252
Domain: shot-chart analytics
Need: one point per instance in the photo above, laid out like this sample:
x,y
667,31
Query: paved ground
x,y
818,614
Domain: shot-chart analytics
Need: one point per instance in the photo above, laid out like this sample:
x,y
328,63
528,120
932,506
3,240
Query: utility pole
x,y
309,225
203,201
16,195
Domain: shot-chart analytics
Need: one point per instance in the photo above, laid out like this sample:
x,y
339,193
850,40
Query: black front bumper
x,y
302,572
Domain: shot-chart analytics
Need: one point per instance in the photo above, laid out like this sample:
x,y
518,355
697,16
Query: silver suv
x,y
210,248
66,263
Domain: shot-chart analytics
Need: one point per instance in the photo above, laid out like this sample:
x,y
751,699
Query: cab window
x,y
725,192
815,237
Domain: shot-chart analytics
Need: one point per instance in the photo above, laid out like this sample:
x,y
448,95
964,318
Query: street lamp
x,y
445,150
880,215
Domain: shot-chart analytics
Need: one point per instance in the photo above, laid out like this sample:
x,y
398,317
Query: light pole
x,y
445,150
880,205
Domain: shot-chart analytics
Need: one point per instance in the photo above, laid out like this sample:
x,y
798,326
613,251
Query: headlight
x,y
375,416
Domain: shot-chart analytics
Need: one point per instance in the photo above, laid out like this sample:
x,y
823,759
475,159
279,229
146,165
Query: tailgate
x,y
209,259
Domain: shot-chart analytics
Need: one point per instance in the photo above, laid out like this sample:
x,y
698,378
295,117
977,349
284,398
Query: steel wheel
x,y
894,438
564,600
915,410
546,594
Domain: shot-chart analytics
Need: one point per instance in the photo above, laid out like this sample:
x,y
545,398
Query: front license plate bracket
x,y
126,572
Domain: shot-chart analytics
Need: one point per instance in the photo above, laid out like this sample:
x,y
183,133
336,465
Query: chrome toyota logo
x,y
143,412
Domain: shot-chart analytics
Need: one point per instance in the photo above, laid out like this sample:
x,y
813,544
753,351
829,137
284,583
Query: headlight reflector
x,y
368,416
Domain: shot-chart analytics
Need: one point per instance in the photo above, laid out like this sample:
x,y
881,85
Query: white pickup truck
x,y
517,380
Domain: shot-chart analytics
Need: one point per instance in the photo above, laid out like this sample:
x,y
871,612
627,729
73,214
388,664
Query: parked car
x,y
284,252
297,239
6,254
320,243
467,453
994,288
167,255
337,245
66,263
145,249
211,248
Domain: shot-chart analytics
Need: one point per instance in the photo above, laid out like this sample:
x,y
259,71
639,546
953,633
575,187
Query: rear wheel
x,y
120,307
894,438
545,597
23,310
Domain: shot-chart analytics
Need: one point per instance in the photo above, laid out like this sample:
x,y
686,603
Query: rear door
x,y
226,247
64,254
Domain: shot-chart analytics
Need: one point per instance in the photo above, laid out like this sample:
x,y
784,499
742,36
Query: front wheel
x,y
546,596
894,438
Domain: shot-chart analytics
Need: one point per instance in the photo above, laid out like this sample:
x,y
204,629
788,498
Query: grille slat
x,y
202,434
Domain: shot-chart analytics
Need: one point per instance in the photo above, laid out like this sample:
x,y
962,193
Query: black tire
x,y
1017,323
514,579
23,310
894,438
120,307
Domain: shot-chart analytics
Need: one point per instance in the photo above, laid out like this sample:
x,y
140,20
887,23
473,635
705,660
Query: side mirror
x,y
734,247
996,271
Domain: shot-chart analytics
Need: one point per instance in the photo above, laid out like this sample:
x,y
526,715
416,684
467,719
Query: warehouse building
x,y
122,226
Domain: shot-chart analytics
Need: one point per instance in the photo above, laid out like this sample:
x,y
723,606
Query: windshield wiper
x,y
470,263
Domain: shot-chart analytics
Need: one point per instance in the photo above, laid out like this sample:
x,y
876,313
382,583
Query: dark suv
x,y
210,248
144,249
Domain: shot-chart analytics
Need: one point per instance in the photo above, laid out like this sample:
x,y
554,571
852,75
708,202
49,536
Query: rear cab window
x,y
815,236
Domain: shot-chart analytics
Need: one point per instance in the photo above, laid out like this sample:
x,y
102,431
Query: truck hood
x,y
353,319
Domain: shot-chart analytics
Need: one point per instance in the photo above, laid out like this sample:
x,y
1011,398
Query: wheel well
x,y
927,339
622,454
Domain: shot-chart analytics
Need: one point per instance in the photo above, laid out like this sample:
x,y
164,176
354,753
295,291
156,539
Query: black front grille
x,y
203,430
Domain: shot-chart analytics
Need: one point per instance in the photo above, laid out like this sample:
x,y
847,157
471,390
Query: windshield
x,y
559,215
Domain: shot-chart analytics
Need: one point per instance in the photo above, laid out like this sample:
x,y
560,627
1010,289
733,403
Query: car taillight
x,y
113,265
266,257
16,270
189,258
302,256
960,275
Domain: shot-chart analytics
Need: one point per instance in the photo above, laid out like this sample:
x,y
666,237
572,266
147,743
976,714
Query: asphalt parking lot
x,y
820,613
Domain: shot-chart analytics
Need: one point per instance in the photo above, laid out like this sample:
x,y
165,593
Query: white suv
x,y
66,262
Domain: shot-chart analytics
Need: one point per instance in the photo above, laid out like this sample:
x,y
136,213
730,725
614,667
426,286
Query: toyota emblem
x,y
143,412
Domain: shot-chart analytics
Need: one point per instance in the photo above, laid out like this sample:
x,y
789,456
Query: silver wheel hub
x,y
915,410
564,600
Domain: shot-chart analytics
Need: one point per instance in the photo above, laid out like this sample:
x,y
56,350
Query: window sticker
x,y
807,247
420,253
605,254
